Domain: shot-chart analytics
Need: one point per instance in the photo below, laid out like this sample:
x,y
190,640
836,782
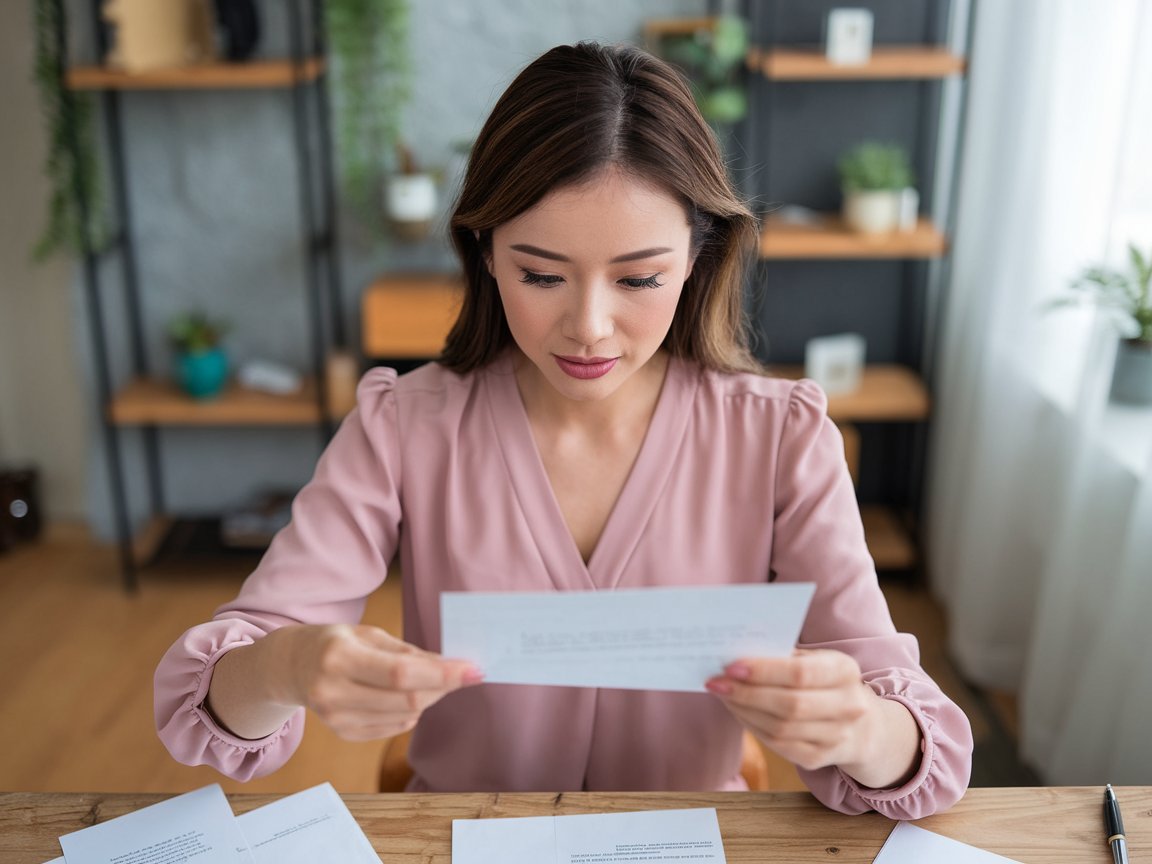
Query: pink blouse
x,y
741,478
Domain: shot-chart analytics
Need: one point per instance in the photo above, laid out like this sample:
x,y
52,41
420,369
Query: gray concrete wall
x,y
214,199
42,421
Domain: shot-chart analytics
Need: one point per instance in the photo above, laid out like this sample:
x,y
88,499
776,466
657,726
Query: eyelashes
x,y
531,277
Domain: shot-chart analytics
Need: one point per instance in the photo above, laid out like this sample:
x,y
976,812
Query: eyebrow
x,y
628,256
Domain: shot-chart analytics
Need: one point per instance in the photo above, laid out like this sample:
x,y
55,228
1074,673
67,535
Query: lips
x,y
585,368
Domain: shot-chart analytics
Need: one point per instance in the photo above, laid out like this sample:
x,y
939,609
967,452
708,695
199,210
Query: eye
x,y
637,284
533,278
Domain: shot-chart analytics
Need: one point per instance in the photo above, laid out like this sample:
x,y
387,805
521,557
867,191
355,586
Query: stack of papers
x,y
313,825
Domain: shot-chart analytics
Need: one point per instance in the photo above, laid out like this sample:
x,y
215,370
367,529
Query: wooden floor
x,y
78,656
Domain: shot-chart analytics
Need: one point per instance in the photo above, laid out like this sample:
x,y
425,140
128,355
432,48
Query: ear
x,y
486,254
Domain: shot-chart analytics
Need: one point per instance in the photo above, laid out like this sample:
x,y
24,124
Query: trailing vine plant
x,y
63,167
372,77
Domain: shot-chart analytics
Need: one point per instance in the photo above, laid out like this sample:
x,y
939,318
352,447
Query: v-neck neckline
x,y
637,499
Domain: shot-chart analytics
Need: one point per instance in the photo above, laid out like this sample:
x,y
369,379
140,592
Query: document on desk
x,y
197,826
909,844
637,639
595,838
313,825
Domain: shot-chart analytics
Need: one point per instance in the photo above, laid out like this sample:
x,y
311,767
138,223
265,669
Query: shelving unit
x,y
892,396
151,402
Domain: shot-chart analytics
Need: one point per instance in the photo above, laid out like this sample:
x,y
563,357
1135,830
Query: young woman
x,y
596,420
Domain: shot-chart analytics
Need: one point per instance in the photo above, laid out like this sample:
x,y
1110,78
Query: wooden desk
x,y
1035,826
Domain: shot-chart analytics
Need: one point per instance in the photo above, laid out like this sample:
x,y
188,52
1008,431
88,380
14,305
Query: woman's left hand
x,y
814,710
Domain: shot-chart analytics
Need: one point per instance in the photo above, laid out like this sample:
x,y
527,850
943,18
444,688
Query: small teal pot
x,y
202,374
1132,374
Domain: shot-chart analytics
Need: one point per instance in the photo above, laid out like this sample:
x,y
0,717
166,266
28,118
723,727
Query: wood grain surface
x,y
1033,825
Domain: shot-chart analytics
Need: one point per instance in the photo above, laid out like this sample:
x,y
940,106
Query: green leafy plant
x,y
65,167
369,43
1126,295
873,166
195,332
712,58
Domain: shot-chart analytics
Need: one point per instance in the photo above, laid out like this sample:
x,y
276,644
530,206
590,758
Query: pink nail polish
x,y
719,686
739,671
473,676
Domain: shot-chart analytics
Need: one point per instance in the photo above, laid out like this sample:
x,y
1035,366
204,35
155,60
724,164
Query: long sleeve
x,y
819,538
318,570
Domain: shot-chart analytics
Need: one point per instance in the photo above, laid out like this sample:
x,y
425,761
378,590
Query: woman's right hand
x,y
362,682
367,684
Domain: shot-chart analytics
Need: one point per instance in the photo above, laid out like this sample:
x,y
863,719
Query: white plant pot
x,y
411,204
872,212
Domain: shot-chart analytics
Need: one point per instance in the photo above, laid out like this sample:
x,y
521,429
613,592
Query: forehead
x,y
612,209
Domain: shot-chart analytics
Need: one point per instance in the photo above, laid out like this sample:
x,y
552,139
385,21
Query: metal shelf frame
x,y
324,306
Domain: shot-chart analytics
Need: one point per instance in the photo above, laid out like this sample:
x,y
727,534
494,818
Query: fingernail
x,y
739,671
473,676
719,686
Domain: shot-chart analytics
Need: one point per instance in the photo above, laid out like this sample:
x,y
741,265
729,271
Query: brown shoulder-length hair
x,y
569,114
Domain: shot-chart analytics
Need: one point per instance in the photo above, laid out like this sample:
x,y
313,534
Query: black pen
x,y
1116,837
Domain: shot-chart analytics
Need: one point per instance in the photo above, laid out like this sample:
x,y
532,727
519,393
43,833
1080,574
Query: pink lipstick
x,y
585,368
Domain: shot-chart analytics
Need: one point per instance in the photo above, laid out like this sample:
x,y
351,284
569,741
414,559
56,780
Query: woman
x,y
596,420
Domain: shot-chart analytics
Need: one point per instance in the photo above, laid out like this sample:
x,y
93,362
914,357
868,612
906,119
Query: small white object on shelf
x,y
269,377
794,214
835,362
909,208
848,37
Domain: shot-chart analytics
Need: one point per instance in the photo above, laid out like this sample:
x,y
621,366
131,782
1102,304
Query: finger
x,y
371,731
421,671
349,698
803,670
842,704
827,734
384,640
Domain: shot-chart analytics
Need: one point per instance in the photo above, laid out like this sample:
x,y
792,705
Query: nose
x,y
589,318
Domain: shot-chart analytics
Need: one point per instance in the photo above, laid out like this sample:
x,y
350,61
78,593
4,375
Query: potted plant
x,y
712,57
201,366
1126,297
877,184
410,198
368,40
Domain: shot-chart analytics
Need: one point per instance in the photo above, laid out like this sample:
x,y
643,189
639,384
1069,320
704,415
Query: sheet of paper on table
x,y
595,838
639,639
909,843
197,825
309,826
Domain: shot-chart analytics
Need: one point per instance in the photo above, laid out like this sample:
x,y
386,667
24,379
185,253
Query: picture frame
x,y
848,36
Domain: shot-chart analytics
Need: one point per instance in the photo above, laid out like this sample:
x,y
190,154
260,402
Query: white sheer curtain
x,y
1040,530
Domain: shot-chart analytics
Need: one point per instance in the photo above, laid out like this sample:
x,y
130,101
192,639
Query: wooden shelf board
x,y
887,393
830,238
888,542
888,62
659,28
205,76
409,316
161,403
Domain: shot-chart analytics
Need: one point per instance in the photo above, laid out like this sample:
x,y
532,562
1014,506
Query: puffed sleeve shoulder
x,y
319,569
819,537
